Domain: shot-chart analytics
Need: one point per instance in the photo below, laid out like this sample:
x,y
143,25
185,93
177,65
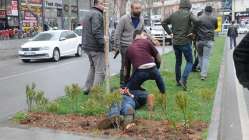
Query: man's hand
x,y
191,35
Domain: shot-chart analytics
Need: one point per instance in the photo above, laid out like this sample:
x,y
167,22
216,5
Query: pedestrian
x,y
123,114
232,34
181,21
124,32
241,61
207,24
196,65
145,61
93,45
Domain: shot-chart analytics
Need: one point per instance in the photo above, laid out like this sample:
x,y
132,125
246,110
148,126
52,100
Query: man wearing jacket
x,y
241,61
206,26
93,45
124,32
181,22
233,34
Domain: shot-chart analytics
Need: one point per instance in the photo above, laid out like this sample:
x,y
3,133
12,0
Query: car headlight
x,y
44,48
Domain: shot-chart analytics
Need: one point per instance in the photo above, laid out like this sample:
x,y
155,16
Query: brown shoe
x,y
112,122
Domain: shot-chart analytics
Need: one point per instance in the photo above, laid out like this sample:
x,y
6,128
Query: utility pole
x,y
19,14
164,44
106,36
43,14
70,15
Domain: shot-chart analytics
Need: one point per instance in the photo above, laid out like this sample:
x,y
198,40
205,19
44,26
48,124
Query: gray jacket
x,y
93,31
124,31
206,27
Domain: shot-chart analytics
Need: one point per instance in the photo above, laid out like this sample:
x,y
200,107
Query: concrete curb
x,y
214,127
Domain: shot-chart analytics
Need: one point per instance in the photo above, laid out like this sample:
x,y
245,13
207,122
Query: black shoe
x,y
178,84
203,78
86,92
184,85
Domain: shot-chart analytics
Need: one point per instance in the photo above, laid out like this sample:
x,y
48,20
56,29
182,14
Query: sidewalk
x,y
230,119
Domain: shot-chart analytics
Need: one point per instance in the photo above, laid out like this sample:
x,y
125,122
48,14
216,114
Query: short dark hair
x,y
233,22
137,32
209,9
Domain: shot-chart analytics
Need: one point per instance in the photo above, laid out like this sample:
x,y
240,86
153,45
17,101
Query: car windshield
x,y
78,32
44,37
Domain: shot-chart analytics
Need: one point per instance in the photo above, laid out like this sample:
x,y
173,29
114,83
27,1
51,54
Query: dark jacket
x,y
182,24
241,61
93,31
206,26
232,31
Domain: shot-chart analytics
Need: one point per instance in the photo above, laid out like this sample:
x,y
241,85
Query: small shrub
x,y
20,116
161,100
52,107
92,107
35,98
113,98
182,103
207,95
73,92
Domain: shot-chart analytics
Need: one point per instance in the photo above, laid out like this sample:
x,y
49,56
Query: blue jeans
x,y
186,50
142,75
233,42
129,103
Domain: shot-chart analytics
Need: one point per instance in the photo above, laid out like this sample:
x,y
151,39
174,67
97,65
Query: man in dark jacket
x,y
124,32
93,44
206,26
241,60
181,22
233,34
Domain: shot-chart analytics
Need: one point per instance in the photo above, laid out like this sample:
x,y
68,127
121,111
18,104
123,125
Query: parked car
x,y
158,33
52,44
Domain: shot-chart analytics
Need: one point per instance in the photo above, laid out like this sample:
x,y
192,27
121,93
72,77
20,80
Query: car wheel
x,y
25,60
56,55
79,51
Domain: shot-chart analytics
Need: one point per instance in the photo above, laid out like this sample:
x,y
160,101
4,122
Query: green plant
x,y
52,107
30,96
92,107
207,95
113,98
161,100
182,103
20,116
41,101
73,92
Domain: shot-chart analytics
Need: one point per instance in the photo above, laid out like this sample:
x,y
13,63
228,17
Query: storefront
x,y
31,14
8,14
53,13
242,17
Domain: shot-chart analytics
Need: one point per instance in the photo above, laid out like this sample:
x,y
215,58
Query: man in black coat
x,y
241,61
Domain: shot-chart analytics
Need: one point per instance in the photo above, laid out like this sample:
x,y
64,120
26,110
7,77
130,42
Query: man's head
x,y
136,8
99,4
139,34
209,9
185,4
233,22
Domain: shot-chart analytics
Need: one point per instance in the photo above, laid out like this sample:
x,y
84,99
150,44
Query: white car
x,y
52,44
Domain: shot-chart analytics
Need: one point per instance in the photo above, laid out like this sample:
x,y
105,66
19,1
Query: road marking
x,y
38,70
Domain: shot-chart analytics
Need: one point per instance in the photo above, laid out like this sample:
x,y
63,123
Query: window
x,y
71,35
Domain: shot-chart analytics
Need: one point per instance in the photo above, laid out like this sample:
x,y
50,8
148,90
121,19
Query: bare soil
x,y
143,130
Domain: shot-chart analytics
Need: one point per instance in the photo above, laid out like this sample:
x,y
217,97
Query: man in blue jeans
x,y
145,61
121,115
182,22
